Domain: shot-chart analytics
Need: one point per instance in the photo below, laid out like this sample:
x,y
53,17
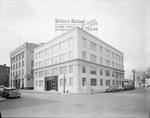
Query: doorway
x,y
51,83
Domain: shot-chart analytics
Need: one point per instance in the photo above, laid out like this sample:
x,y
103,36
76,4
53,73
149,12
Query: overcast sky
x,y
124,24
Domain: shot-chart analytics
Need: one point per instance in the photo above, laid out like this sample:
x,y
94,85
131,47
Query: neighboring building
x,y
22,65
139,78
87,63
4,75
127,82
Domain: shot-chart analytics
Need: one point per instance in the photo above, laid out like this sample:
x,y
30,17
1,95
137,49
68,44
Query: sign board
x,y
68,24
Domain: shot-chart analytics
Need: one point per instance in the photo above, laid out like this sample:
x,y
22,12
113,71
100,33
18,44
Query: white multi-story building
x,y
22,65
87,63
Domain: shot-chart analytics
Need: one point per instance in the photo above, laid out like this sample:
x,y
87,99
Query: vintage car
x,y
10,92
111,89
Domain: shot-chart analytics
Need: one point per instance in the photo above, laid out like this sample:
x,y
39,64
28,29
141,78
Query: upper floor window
x,y
107,52
83,55
71,56
47,62
54,60
70,68
93,46
63,57
101,49
63,44
47,51
93,58
22,54
93,70
54,71
63,70
107,72
83,42
83,69
41,54
54,48
71,41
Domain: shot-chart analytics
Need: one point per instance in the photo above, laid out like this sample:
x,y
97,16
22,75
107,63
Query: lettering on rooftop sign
x,y
66,25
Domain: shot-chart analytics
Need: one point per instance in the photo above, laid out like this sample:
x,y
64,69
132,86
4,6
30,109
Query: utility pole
x,y
133,77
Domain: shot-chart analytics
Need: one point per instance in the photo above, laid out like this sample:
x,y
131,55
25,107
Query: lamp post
x,y
133,77
64,82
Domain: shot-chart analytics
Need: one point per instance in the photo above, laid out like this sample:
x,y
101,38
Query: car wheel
x,y
7,95
18,96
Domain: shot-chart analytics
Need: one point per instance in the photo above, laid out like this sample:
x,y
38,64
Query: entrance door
x,y
53,84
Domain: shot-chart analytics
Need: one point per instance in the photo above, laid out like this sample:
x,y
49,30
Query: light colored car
x,y
10,92
1,89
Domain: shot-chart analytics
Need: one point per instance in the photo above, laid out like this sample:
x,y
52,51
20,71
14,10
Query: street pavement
x,y
125,104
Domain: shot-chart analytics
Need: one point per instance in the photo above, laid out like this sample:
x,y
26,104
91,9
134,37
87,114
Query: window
x,y
101,82
71,56
54,71
113,82
83,69
112,55
36,74
41,74
54,60
22,54
107,62
83,81
41,83
61,81
71,41
63,70
93,82
47,72
116,82
71,81
32,63
107,72
116,65
37,55
54,48
93,70
22,63
63,44
101,71
107,82
113,64
93,58
107,52
36,83
93,46
41,54
63,57
83,55
31,71
71,69
83,42
47,51
101,61
41,64
47,62
101,49
113,74
36,64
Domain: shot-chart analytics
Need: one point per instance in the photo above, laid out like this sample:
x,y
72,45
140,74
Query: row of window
x,y
19,73
54,60
17,57
93,46
59,46
93,70
93,82
100,60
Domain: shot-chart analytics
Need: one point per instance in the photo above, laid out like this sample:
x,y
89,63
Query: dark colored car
x,y
120,88
111,89
10,92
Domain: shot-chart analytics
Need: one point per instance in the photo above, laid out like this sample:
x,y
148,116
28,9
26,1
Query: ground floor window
x,y
93,82
71,81
36,83
83,81
62,81
113,82
107,82
101,82
41,83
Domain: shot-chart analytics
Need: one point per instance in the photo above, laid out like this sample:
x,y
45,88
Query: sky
x,y
123,24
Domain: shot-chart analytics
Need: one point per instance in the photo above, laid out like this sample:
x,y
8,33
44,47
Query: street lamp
x,y
64,82
133,77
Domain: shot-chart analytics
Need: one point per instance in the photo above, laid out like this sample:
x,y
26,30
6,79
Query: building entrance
x,y
51,83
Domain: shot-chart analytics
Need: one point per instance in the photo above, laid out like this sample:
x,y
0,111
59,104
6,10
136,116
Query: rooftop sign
x,y
68,24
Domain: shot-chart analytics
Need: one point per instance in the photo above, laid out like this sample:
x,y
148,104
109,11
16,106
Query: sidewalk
x,y
2,99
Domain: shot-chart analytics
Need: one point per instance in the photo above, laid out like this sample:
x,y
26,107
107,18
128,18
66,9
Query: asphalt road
x,y
126,104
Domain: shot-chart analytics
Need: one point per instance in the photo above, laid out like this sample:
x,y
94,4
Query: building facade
x,y
22,65
4,75
77,62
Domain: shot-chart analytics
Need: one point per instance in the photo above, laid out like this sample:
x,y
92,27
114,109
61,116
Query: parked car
x,y
1,89
120,88
10,92
111,89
